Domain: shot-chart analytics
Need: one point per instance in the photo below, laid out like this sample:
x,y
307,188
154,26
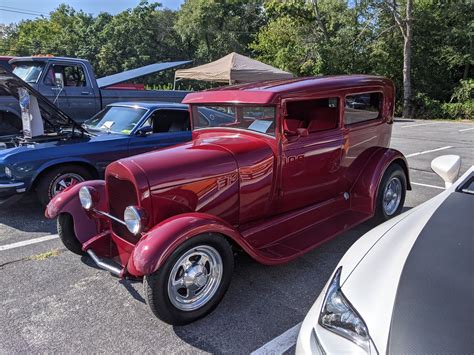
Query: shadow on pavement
x,y
27,215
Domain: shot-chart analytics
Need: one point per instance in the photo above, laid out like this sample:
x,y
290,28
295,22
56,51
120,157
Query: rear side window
x,y
362,107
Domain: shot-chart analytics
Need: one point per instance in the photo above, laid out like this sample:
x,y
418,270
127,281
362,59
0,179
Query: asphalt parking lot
x,y
52,300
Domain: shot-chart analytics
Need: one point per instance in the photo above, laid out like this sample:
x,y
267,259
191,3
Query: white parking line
x,y
428,151
418,124
28,242
466,129
281,343
427,185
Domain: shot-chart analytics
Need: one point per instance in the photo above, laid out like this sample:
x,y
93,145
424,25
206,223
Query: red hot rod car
x,y
294,164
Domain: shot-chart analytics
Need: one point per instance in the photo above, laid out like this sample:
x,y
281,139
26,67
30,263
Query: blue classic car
x,y
66,153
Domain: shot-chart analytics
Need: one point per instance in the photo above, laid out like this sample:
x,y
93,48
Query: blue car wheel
x,y
58,179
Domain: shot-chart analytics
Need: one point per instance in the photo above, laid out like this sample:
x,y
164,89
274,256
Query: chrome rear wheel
x,y
392,195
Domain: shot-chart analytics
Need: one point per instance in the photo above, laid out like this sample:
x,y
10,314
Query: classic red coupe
x,y
297,163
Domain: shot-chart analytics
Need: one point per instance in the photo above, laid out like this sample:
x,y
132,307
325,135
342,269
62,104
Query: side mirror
x,y
447,167
142,132
58,80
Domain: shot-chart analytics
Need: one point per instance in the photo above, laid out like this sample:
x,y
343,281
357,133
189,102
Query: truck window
x,y
315,115
72,75
362,107
29,72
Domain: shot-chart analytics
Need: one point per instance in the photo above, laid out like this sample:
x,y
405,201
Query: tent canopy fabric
x,y
233,68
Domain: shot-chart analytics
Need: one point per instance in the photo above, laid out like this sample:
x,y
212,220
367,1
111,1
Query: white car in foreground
x,y
407,286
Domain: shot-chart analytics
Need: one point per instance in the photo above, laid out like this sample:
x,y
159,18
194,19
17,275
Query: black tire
x,y
67,235
156,284
45,184
394,171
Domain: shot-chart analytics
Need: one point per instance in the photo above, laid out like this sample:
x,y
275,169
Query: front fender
x,y
159,243
364,191
68,202
66,160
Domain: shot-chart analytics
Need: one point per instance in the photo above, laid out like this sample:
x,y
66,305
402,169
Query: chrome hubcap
x,y
63,181
392,196
195,278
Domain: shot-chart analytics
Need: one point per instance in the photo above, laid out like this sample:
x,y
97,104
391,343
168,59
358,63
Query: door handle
x,y
85,93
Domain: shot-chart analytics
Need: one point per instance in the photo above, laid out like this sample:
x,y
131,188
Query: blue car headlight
x,y
340,317
8,172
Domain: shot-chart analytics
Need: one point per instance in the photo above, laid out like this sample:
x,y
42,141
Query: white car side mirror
x,y
447,167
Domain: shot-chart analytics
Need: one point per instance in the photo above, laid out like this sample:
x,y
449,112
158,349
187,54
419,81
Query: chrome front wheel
x,y
192,281
195,278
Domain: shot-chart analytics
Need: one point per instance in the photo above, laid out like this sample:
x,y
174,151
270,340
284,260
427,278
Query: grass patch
x,y
45,255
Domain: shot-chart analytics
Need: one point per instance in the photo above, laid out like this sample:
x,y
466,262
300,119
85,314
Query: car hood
x,y
204,157
52,116
374,265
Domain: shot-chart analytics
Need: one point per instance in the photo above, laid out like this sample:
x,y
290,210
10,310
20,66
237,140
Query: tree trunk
x,y
407,40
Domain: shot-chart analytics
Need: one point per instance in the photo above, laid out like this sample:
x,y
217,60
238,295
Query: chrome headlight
x,y
340,317
134,218
86,197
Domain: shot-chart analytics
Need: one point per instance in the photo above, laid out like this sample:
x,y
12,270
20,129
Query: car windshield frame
x,y
235,113
101,117
26,69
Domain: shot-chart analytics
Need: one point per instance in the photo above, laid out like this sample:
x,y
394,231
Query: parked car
x,y
69,153
284,175
405,287
71,85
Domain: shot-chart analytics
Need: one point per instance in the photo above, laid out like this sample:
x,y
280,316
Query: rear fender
x,y
85,226
160,242
364,191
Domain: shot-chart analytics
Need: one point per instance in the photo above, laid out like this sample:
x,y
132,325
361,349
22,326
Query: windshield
x,y
29,72
253,118
116,119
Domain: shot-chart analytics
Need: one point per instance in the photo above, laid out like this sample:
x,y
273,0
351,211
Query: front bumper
x,y
11,192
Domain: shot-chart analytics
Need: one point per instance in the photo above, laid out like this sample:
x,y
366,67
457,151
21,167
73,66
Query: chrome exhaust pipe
x,y
104,264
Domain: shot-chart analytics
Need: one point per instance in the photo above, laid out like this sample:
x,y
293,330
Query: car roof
x,y
267,92
150,105
46,58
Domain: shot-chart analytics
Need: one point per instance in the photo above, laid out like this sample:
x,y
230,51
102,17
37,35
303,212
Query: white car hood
x,y
375,263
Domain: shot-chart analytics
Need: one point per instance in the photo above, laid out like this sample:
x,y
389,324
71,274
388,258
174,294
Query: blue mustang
x,y
68,153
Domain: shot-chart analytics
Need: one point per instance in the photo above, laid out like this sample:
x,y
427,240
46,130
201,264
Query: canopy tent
x,y
233,68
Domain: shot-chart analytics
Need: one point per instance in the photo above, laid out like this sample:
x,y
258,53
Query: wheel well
x,y
404,166
89,167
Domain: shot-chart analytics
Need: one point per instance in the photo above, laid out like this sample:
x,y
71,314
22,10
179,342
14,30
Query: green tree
x,y
212,29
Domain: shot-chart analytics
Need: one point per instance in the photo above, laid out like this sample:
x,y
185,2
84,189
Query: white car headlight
x,y
340,317
8,172
85,196
134,219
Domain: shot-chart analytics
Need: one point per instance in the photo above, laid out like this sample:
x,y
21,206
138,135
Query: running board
x,y
105,264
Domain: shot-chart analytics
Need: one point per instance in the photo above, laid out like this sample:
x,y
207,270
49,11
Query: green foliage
x,y
212,29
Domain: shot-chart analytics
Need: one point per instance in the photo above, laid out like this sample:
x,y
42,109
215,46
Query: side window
x,y
314,115
71,75
163,121
362,107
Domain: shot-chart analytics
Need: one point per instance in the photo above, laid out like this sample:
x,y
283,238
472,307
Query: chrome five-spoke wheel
x,y
195,278
192,281
392,195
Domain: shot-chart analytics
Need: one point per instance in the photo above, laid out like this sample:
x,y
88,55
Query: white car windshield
x,y
253,118
116,119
